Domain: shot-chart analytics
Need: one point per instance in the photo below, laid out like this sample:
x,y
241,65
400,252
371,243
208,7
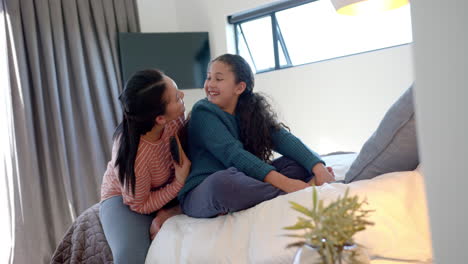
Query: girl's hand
x,y
322,174
294,185
284,183
182,170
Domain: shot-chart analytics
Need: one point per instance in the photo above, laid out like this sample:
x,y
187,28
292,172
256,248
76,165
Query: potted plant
x,y
329,231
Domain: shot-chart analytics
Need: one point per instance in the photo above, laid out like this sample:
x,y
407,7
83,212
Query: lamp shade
x,y
356,7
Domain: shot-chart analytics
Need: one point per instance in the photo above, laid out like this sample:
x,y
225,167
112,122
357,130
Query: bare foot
x,y
161,217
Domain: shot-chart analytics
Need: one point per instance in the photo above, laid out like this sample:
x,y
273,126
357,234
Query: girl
x,y
231,136
141,178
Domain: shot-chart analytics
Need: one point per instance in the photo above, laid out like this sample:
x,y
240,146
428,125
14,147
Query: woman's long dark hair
x,y
142,101
257,118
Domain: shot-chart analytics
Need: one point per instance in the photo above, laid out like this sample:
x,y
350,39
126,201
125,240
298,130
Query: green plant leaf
x,y
296,244
299,225
301,209
330,227
296,236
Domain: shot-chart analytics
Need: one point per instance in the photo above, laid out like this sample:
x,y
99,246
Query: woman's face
x,y
221,88
174,100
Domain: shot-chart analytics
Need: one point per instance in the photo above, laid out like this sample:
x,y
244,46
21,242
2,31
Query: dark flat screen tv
x,y
182,56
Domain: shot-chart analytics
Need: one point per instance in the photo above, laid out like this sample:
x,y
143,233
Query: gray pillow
x,y
392,147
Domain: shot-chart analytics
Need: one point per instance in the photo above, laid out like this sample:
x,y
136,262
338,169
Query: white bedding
x,y
400,233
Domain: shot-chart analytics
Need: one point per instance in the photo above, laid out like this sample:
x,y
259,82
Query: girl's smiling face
x,y
221,88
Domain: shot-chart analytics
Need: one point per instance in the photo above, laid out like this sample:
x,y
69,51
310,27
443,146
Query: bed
x,y
400,233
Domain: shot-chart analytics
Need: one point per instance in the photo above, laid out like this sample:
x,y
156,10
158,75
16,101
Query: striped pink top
x,y
155,183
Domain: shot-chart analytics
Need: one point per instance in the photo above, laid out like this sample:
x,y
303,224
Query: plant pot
x,y
308,254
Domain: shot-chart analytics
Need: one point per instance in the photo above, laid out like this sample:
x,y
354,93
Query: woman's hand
x,y
322,174
182,169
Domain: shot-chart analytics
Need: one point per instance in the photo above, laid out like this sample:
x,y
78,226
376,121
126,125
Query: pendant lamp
x,y
357,7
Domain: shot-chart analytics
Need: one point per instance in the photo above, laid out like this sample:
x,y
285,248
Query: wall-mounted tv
x,y
182,56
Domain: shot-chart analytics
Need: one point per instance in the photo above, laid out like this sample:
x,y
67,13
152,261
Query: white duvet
x,y
400,233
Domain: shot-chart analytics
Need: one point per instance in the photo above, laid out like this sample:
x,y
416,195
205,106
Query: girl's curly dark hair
x,y
257,118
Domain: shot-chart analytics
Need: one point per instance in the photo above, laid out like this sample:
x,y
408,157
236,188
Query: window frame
x,y
278,40
276,37
263,11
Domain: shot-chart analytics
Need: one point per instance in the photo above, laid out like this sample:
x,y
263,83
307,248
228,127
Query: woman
x,y
232,134
141,178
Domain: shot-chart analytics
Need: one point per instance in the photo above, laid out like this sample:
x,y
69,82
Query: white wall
x,y
337,104
441,62
157,16
331,105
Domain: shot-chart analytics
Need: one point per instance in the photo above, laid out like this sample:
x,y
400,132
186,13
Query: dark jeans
x,y
231,190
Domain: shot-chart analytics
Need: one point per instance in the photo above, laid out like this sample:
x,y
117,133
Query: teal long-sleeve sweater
x,y
214,144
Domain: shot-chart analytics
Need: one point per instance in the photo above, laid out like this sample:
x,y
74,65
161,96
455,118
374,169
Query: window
x,y
296,32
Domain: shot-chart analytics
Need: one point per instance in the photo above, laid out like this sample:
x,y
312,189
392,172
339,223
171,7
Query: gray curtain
x,y
64,81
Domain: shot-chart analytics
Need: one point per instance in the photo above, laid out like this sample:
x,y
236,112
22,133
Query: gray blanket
x,y
84,241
